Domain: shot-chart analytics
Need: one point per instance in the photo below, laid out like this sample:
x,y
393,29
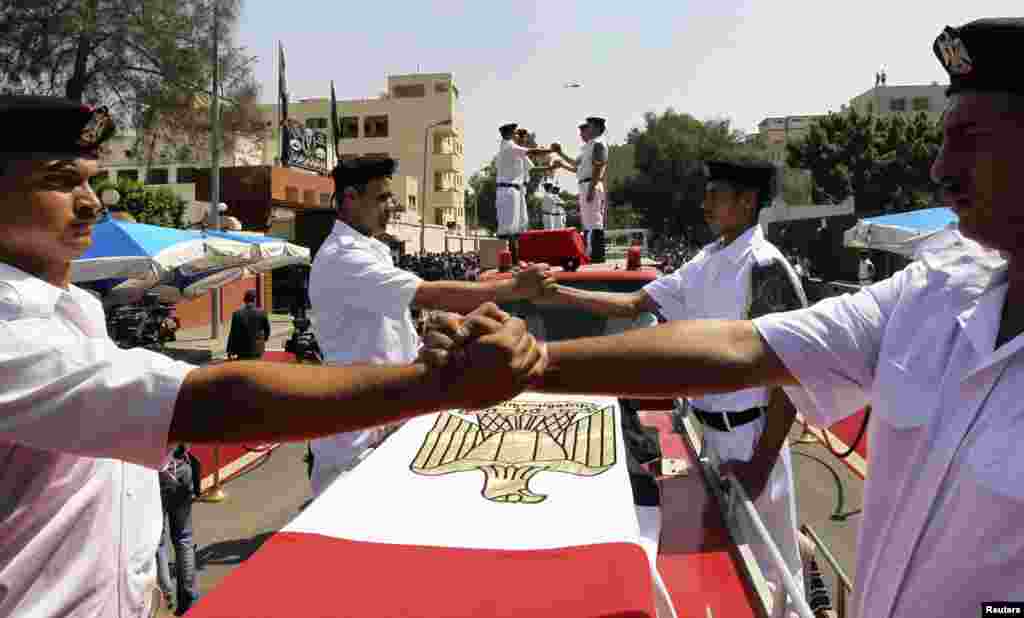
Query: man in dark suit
x,y
250,330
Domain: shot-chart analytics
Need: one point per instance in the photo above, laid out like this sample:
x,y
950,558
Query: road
x,y
267,498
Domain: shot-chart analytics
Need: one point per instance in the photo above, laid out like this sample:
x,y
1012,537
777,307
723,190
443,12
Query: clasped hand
x,y
486,357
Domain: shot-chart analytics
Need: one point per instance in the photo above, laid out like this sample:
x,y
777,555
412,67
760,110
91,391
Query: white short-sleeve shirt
x,y
83,428
512,163
943,527
716,284
361,314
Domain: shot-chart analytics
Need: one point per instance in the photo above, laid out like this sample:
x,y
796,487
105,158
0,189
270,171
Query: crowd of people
x,y
456,266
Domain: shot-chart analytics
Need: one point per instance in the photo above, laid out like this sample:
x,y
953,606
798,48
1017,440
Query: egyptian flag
x,y
282,88
523,509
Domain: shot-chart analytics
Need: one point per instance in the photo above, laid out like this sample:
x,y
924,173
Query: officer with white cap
x,y
590,169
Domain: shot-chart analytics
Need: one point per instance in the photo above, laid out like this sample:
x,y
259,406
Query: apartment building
x,y
887,100
417,121
777,131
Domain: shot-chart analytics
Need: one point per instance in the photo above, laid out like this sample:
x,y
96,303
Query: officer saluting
x,y
590,170
85,425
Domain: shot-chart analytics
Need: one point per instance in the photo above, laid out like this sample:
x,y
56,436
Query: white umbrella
x,y
904,233
272,252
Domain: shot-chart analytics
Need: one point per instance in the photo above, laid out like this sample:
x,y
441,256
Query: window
x,y
316,123
439,217
412,202
128,174
441,87
921,104
349,127
187,175
409,91
375,126
871,108
156,176
898,105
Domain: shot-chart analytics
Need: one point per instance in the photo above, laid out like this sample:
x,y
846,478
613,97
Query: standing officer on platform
x,y
552,209
590,169
739,276
514,167
85,425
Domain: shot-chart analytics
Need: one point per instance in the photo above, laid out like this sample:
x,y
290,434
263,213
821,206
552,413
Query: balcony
x,y
446,161
446,199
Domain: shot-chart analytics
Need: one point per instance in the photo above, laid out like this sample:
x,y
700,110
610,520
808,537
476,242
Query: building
x,y
887,100
777,131
404,123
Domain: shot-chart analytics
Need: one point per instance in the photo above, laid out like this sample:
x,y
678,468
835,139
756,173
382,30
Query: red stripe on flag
x,y
297,574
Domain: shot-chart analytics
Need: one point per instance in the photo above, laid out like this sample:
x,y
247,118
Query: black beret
x,y
595,121
975,55
508,127
47,126
359,171
583,125
759,176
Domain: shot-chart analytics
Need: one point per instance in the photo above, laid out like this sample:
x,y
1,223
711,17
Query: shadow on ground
x,y
231,552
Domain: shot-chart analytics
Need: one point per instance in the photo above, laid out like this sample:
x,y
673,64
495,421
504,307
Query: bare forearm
x,y
609,304
597,172
781,413
684,358
465,296
252,401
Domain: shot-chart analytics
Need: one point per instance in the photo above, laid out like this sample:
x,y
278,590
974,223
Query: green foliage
x,y
153,206
484,184
883,162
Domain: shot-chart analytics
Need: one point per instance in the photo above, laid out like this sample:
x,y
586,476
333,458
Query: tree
x,y
159,206
484,184
882,162
149,60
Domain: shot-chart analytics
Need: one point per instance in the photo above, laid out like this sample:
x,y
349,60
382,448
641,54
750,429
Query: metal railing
x,y
736,504
845,586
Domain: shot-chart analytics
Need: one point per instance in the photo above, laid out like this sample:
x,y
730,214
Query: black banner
x,y
304,148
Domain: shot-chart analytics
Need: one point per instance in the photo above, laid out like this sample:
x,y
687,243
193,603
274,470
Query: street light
x,y
423,183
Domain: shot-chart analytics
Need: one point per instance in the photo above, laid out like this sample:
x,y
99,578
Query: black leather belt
x,y
513,186
716,420
585,180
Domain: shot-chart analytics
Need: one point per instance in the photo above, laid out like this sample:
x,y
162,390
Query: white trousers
x,y
511,206
592,212
553,222
776,505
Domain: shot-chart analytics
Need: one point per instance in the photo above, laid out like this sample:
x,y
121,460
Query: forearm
x,y
252,401
781,413
683,358
609,304
597,172
465,296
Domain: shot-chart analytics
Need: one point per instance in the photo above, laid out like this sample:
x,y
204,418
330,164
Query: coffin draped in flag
x,y
523,509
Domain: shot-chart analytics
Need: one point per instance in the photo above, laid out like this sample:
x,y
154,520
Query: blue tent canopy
x,y
919,221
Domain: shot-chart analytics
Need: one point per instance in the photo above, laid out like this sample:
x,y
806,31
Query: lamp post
x,y
423,182
215,163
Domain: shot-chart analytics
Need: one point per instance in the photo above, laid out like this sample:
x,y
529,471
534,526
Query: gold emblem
x,y
98,129
954,53
514,441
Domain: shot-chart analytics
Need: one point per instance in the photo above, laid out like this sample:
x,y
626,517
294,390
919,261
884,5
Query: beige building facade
x,y
777,131
406,123
887,100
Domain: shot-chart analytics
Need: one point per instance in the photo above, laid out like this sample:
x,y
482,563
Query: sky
x,y
741,60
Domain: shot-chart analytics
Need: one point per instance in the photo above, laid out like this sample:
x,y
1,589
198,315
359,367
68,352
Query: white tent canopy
x,y
904,233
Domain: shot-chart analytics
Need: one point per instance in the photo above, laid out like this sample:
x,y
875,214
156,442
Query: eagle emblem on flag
x,y
954,53
515,441
99,127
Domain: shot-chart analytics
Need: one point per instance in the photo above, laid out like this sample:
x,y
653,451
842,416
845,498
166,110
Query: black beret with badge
x,y
40,126
359,171
596,122
508,127
758,176
982,55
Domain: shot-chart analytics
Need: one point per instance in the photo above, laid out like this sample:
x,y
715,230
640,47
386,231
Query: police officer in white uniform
x,y
514,168
85,425
361,301
552,209
741,275
938,350
590,169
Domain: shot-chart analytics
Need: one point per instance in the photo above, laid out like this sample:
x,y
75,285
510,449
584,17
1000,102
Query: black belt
x,y
584,180
716,420
554,214
513,186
